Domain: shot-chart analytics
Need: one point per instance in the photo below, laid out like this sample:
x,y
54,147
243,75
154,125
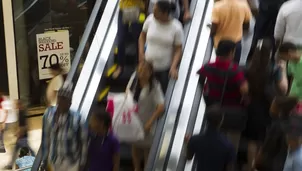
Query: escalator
x,y
93,80
169,153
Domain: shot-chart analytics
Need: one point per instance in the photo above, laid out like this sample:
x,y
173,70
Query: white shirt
x,y
161,39
289,22
12,112
54,85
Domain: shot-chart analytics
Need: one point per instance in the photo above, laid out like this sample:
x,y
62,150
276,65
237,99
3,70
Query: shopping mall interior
x,y
81,35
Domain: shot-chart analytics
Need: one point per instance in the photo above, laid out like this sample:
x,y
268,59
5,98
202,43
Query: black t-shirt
x,y
212,151
274,149
23,120
270,5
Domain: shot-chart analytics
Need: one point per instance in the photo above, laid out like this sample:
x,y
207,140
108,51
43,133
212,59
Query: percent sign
x,y
64,59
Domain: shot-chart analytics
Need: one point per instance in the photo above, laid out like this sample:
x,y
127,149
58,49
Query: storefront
x,y
33,32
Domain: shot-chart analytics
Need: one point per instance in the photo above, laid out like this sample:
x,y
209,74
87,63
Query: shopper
x,y
22,134
211,149
104,148
150,101
265,15
226,86
293,129
9,123
229,20
273,153
25,159
290,52
64,136
55,84
163,36
289,23
128,24
214,74
265,79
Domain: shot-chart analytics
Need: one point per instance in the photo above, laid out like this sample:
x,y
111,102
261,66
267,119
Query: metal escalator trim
x,y
100,67
104,93
174,98
196,115
111,70
84,39
93,54
37,162
184,116
191,165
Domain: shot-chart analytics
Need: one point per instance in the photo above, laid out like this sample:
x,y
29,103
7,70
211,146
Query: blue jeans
x,y
124,30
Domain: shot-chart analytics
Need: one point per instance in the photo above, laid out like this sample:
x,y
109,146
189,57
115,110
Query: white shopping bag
x,y
126,125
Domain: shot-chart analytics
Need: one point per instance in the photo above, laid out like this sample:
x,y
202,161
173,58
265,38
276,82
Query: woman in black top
x,y
274,150
263,76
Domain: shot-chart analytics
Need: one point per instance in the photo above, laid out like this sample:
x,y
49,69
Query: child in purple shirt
x,y
104,148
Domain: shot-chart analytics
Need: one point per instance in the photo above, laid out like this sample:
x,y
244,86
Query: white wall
x,y
10,49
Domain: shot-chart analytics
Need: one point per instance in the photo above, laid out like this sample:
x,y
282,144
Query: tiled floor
x,y
35,125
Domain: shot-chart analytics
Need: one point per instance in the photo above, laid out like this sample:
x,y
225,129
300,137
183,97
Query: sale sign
x,y
53,48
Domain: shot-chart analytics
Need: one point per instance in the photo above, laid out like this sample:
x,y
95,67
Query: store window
x,y
43,17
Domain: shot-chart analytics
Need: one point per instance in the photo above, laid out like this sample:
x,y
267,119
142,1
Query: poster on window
x,y
53,48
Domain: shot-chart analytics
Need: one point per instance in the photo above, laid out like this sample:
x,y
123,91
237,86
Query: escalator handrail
x,y
198,122
84,40
98,71
175,90
196,115
186,108
93,55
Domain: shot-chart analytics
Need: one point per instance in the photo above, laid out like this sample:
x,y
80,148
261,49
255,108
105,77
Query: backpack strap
x,y
132,82
226,78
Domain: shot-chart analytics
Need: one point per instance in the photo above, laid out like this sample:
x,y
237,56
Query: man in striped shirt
x,y
64,136
215,74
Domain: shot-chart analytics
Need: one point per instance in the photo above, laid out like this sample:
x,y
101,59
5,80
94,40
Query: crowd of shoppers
x,y
259,102
271,83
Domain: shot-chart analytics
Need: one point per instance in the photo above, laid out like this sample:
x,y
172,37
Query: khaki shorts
x,y
9,136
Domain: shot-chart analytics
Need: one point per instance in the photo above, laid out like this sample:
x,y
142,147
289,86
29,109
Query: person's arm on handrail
x,y
143,38
187,15
178,42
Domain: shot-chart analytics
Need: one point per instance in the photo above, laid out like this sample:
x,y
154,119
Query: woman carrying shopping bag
x,y
148,96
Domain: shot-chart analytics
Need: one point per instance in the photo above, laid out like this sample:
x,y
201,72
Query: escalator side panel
x,y
157,162
93,53
192,85
198,125
100,67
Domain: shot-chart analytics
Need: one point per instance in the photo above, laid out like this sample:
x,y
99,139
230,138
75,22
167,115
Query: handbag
x,y
235,117
126,125
130,15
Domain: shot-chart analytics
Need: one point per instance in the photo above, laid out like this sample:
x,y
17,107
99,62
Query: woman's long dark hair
x,y
24,151
259,70
138,88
